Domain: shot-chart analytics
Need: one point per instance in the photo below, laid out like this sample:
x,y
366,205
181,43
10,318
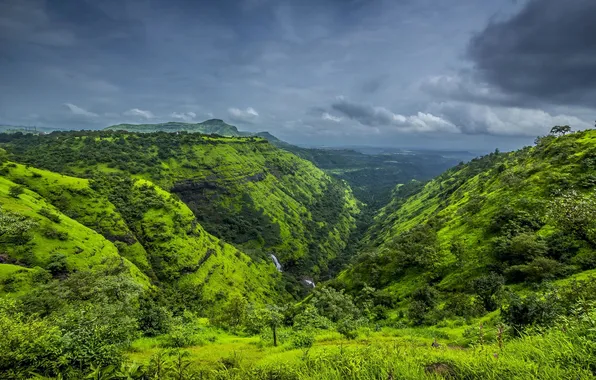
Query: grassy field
x,y
389,353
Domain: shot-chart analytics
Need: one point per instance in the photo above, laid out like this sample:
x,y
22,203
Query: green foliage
x,y
309,318
422,304
560,130
302,339
524,216
49,214
153,318
334,305
16,190
14,227
28,344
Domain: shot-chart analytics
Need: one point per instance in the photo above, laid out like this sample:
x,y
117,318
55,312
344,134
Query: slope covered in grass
x,y
75,224
522,218
243,190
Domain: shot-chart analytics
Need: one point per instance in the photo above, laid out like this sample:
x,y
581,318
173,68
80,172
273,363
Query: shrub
x,y
334,304
540,269
488,289
57,265
309,318
50,215
14,227
16,190
519,249
51,233
348,327
28,344
423,301
153,319
302,339
532,310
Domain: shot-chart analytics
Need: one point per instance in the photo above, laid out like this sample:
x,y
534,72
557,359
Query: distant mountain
x,y
212,126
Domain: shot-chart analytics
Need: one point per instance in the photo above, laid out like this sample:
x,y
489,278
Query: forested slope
x,y
69,225
244,190
519,218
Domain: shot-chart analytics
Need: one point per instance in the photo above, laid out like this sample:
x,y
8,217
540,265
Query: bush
x,y
153,319
302,339
532,310
16,190
334,304
519,249
348,327
57,265
462,305
423,302
28,344
51,233
540,269
488,289
309,318
50,215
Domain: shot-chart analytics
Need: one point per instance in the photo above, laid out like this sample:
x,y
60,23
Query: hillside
x,y
519,218
73,224
243,190
126,255
371,176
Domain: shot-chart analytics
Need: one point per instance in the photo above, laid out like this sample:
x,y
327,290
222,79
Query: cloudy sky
x,y
408,73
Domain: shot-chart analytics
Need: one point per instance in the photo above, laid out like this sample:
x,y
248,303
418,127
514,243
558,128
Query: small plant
x,y
303,339
500,331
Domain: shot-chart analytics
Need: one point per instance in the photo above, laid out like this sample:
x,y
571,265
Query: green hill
x,y
76,224
243,190
521,218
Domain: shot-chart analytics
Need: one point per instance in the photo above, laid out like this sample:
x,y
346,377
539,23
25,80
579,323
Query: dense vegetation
x,y
243,190
371,175
146,256
503,222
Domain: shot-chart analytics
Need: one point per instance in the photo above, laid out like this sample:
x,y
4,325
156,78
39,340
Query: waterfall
x,y
310,283
276,262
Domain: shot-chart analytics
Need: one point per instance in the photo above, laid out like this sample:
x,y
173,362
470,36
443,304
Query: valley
x,y
199,251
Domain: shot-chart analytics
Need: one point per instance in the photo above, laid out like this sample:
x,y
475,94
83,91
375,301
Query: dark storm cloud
x,y
546,52
287,66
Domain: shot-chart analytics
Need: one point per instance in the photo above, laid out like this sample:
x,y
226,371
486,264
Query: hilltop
x,y
212,126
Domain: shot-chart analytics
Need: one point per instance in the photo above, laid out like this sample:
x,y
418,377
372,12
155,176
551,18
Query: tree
x,y
275,320
16,190
573,212
488,288
14,227
560,130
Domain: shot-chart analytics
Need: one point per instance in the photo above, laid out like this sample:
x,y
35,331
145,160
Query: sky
x,y
449,74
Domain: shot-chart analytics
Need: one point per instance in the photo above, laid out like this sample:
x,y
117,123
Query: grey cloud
x,y
185,116
379,116
373,85
476,119
142,114
546,52
248,115
76,110
364,113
